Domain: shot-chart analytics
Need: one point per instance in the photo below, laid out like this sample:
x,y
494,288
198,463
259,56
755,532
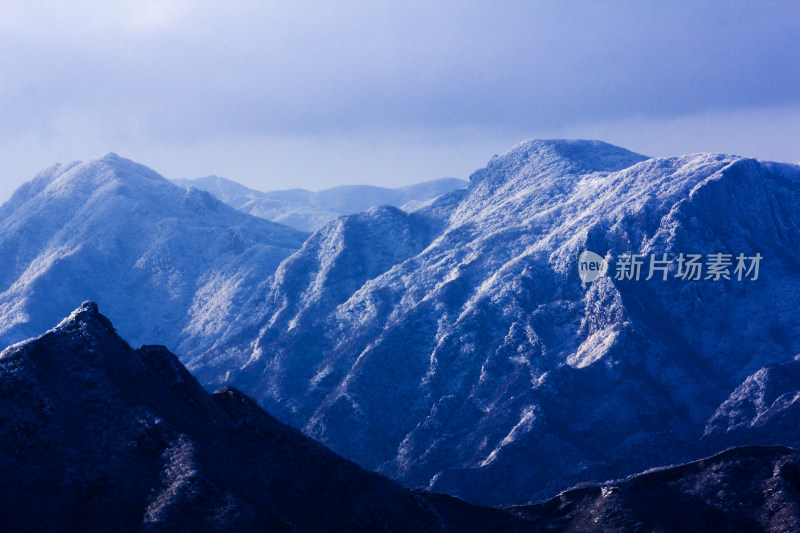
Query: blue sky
x,y
315,94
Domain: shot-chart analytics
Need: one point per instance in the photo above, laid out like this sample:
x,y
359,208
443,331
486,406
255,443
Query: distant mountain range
x,y
96,436
453,346
307,210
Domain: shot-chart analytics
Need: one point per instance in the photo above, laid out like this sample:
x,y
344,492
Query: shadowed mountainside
x,y
97,436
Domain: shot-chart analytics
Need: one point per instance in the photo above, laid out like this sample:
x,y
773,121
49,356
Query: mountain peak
x,y
89,307
78,181
86,318
94,230
591,154
557,157
125,168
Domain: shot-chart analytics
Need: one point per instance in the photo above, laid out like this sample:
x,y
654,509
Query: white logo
x,y
591,266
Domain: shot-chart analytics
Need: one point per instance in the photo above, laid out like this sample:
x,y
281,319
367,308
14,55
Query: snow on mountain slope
x,y
170,265
764,409
96,436
473,353
307,210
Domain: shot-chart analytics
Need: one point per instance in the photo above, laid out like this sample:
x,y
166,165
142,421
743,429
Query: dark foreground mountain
x,y
455,345
96,436
742,489
309,210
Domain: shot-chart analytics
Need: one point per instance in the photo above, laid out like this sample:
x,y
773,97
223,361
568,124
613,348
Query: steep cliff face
x,y
473,353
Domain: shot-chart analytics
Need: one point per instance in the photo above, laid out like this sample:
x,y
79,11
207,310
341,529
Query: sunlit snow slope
x,y
455,347
169,265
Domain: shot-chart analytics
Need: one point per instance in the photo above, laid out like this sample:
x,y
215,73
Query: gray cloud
x,y
156,78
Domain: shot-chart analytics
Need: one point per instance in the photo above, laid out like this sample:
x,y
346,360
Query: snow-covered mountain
x,y
455,347
96,436
169,265
307,210
452,346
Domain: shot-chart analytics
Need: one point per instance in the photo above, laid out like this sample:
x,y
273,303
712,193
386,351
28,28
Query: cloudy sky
x,y
316,94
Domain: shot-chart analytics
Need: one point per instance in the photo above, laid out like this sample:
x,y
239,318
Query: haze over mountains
x,y
453,345
307,210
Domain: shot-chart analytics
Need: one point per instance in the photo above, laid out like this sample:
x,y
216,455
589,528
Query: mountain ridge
x,y
97,435
453,344
120,233
476,347
142,446
680,498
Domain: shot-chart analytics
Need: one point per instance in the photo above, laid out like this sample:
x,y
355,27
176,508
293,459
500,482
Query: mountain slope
x,y
307,210
474,353
97,436
743,489
117,232
764,409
